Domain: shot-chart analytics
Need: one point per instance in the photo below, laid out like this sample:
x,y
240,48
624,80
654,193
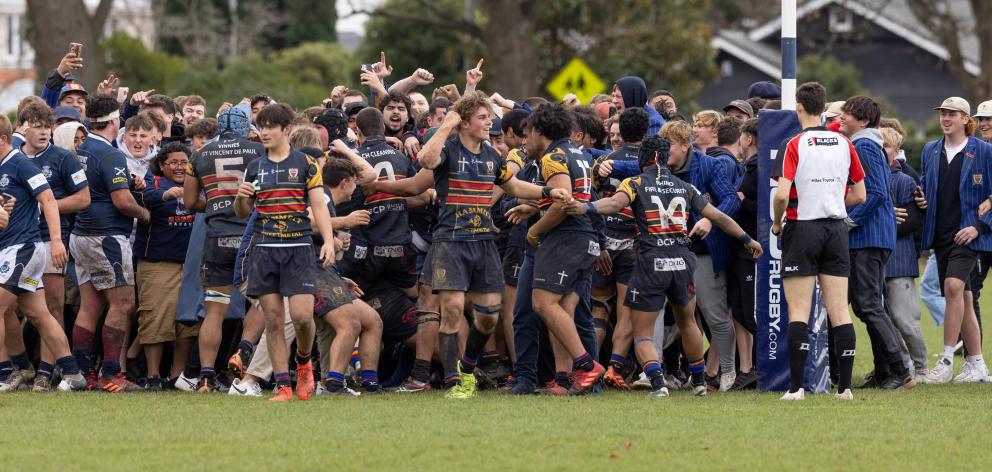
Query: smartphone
x,y
76,48
367,67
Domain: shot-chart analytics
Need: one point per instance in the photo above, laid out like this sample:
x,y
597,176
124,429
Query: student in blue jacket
x,y
955,178
160,249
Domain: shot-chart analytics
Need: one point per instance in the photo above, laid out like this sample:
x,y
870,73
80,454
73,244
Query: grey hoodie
x,y
872,134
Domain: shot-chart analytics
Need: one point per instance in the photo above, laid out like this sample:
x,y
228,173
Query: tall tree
x,y
525,42
53,24
953,23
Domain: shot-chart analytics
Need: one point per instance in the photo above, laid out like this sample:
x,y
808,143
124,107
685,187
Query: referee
x,y
819,176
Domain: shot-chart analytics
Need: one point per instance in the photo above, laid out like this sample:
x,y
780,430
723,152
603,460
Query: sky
x,y
355,23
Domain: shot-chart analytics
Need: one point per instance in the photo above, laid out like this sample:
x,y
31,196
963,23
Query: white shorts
x,y
104,261
49,267
21,266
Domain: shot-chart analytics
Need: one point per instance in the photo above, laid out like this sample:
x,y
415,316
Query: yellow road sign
x,y
576,77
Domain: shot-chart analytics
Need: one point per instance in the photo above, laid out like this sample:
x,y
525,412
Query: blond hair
x,y
676,131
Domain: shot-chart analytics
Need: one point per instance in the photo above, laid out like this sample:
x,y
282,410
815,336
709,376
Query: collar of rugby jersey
x,y
39,154
7,157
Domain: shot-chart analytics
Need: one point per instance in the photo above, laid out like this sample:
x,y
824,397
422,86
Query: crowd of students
x,y
384,242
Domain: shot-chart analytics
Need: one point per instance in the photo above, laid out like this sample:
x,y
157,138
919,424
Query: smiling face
x,y
76,100
477,126
616,141
850,125
174,166
985,128
952,122
705,135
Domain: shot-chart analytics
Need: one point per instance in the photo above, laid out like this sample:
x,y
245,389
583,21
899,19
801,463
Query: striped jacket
x,y
975,187
875,218
903,261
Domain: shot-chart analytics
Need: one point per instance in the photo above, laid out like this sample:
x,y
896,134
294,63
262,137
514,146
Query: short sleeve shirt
x,y
562,158
21,179
281,198
821,164
65,176
662,207
219,167
107,172
464,182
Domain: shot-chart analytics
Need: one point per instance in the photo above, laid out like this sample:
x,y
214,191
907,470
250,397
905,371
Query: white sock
x,y
975,359
949,353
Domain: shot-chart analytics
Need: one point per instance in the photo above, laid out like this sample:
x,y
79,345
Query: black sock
x,y
302,359
798,351
844,344
473,347
421,370
448,345
561,378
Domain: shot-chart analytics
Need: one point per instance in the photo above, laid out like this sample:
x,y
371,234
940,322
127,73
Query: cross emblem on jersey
x,y
462,163
633,294
261,175
561,277
516,270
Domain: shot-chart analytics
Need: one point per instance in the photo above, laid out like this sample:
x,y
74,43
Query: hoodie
x,y
872,222
635,94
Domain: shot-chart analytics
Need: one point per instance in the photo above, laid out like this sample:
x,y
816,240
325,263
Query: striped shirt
x,y
219,167
281,198
464,182
563,158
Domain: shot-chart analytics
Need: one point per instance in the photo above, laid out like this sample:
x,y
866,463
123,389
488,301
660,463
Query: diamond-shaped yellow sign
x,y
576,77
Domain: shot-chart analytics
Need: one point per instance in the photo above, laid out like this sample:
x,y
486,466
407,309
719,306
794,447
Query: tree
x,y
952,25
841,79
53,24
525,42
142,69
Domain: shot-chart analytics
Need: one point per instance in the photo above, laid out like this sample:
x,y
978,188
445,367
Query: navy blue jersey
x,y
107,172
389,224
65,176
563,158
20,178
662,205
464,182
166,236
219,167
281,197
621,225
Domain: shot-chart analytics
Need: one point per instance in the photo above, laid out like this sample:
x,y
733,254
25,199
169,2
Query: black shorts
x,y
397,311
286,271
623,265
332,291
368,264
660,276
219,254
815,247
564,260
740,291
513,260
956,262
463,266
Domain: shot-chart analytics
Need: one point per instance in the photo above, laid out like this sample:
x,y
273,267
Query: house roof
x,y
761,56
892,15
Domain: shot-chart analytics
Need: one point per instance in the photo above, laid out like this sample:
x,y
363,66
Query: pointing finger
x,y
479,65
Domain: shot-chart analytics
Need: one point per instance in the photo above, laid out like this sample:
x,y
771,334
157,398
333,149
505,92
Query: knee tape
x,y
217,297
488,310
428,317
643,340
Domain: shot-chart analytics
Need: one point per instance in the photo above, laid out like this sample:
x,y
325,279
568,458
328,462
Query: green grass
x,y
931,427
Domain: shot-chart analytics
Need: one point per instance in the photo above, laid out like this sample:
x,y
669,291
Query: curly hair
x,y
175,146
553,121
633,124
654,150
470,103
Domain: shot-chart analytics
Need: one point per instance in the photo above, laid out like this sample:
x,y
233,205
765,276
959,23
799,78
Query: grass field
x,y
931,427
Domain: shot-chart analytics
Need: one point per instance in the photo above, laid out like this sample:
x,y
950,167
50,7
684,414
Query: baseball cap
x,y
834,109
742,106
67,112
72,87
765,89
497,127
334,121
955,104
984,109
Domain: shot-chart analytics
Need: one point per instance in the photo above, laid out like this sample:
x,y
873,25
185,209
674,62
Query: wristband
x,y
546,192
744,238
591,208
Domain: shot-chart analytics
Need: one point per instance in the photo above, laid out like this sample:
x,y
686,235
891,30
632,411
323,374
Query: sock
x,y
448,345
45,369
113,343
333,381
652,369
21,361
370,380
977,359
302,359
844,349
421,370
616,361
583,362
82,347
109,368
207,372
490,357
68,365
473,346
6,368
246,348
354,356
697,366
949,353
282,379
561,378
798,352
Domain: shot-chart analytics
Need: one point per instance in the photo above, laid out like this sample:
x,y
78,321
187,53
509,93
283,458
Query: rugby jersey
x,y
21,179
219,167
562,157
821,164
281,198
389,220
65,176
464,182
662,206
621,225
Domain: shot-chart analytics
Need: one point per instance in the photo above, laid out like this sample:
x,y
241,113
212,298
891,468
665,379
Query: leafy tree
x,y
127,57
